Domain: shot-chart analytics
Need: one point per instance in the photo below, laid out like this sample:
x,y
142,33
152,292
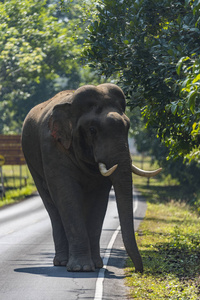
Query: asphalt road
x,y
27,251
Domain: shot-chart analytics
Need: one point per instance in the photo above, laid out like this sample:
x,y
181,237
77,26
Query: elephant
x,y
76,148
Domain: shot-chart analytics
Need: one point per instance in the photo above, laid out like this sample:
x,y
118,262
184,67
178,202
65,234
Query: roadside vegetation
x,y
151,49
40,54
18,184
168,240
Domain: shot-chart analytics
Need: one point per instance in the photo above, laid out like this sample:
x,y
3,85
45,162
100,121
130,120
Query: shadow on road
x,y
63,273
117,260
52,271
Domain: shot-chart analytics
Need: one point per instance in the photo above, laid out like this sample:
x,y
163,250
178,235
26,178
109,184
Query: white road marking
x,y
101,274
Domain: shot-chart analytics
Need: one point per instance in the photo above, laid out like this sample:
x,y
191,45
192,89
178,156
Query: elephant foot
x,y
60,260
80,265
98,262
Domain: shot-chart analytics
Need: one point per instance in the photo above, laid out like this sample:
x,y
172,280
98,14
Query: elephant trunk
x,y
122,183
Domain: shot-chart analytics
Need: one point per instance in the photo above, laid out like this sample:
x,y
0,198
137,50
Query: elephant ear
x,y
60,124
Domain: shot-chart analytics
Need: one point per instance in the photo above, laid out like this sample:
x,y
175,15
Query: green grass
x,y
11,176
169,242
17,195
162,188
16,189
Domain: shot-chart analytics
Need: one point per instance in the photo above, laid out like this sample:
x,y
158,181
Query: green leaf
x,y
197,78
91,28
194,126
180,62
174,107
187,2
191,100
126,42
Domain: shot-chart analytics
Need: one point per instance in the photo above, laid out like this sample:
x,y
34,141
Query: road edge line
x,y
101,273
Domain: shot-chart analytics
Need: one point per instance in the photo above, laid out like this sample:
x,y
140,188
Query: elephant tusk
x,y
103,170
140,172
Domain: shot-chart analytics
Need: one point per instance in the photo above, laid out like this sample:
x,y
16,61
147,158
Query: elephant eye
x,y
92,130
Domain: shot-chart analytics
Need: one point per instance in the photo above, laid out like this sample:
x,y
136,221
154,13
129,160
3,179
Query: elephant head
x,y
92,127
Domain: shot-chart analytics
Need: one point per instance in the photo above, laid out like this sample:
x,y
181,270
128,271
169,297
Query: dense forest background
x,y
149,48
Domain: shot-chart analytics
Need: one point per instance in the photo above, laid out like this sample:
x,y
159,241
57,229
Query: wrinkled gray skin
x,y
63,141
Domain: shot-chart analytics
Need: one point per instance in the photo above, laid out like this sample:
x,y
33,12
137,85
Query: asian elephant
x,y
76,147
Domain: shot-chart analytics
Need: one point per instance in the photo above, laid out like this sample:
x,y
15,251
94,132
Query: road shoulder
x,y
114,284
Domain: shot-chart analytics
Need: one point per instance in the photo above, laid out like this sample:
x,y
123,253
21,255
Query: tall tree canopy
x,y
38,51
153,49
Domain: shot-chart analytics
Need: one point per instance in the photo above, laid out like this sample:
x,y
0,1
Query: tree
x,y
38,54
152,48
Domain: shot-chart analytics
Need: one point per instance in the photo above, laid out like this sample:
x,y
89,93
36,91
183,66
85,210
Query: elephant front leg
x,y
79,244
80,257
69,201
96,205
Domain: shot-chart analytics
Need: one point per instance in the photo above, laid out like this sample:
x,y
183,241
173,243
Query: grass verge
x,y
16,189
168,240
16,195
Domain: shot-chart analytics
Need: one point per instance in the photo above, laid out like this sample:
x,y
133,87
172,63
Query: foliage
x,y
40,46
152,47
186,173
188,68
12,183
168,239
34,46
177,181
17,195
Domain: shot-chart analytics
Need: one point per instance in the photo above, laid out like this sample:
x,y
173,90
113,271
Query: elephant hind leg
x,y
59,237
